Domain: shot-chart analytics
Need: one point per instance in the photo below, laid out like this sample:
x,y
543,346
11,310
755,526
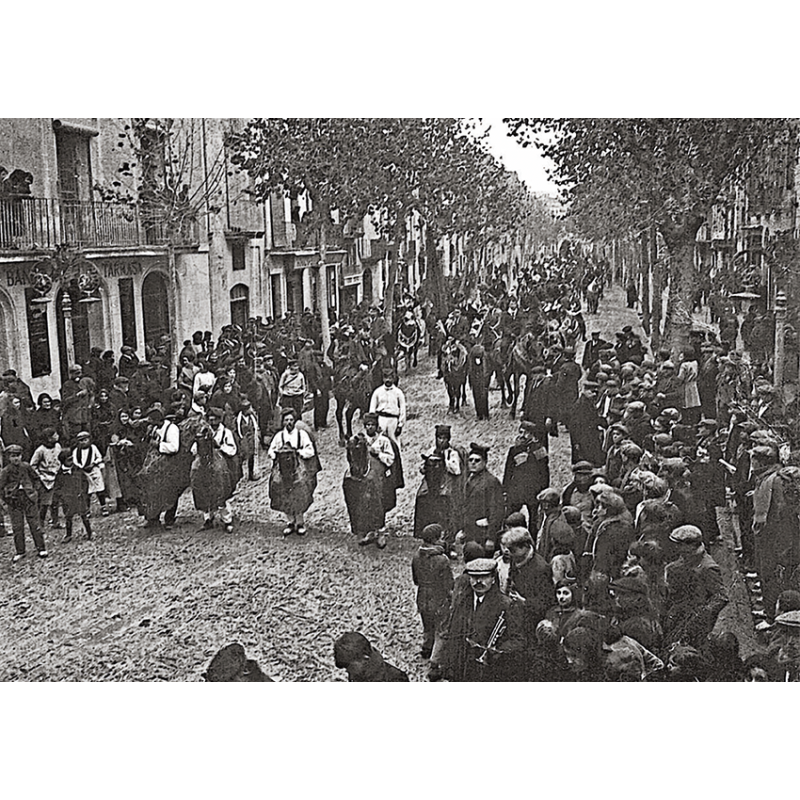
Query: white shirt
x,y
297,439
224,438
381,447
203,380
392,401
452,461
169,438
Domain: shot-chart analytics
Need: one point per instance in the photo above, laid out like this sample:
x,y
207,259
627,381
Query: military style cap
x,y
481,566
480,449
13,449
687,534
582,468
370,417
443,430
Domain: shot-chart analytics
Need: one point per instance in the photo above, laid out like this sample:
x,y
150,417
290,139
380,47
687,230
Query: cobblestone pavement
x,y
137,605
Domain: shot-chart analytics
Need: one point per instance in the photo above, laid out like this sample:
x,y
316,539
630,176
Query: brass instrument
x,y
498,630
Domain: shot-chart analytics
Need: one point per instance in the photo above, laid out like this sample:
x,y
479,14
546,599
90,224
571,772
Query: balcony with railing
x,y
35,223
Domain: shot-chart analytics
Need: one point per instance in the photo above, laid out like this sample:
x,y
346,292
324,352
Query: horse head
x,y
288,461
433,470
358,455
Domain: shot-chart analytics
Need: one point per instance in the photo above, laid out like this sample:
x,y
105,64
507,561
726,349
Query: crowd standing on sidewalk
x,y
610,577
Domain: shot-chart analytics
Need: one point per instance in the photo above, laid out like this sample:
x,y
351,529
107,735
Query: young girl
x,y
567,606
72,491
86,457
45,463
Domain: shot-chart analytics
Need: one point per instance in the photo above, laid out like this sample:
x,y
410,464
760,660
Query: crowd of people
x,y
609,577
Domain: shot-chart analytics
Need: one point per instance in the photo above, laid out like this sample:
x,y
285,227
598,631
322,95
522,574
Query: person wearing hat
x,y
530,580
586,426
708,479
430,571
19,499
591,351
292,388
775,528
480,375
527,472
363,663
389,403
576,493
320,383
484,503
364,493
617,435
607,546
440,497
162,479
77,398
568,376
696,592
484,635
294,477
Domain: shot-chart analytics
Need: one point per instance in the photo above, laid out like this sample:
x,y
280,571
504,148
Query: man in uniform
x,y
527,472
484,503
484,636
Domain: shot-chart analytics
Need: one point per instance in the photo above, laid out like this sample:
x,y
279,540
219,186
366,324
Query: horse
x,y
527,353
291,485
454,369
210,477
363,486
408,339
498,344
352,388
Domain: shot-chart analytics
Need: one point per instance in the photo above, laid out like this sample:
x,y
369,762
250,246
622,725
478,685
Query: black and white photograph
x,y
348,399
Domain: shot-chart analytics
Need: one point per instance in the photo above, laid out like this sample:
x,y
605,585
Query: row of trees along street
x,y
646,178
438,170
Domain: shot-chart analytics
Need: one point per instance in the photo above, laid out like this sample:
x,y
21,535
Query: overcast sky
x,y
526,162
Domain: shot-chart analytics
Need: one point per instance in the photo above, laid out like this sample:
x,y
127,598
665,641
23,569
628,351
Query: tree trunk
x,y
322,280
680,245
394,265
644,275
657,300
434,272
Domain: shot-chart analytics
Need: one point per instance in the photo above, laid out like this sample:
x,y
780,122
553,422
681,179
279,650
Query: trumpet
x,y
494,637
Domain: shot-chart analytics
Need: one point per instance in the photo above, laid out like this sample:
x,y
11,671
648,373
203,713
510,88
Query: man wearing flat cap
x,y
484,504
527,472
696,592
483,637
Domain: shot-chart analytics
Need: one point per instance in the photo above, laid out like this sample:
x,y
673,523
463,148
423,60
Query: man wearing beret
x,y
483,638
484,504
696,592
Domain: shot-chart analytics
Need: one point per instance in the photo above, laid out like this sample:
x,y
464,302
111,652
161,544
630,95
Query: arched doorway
x,y
240,305
155,308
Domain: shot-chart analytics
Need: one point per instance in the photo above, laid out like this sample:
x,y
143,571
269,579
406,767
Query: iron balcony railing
x,y
36,223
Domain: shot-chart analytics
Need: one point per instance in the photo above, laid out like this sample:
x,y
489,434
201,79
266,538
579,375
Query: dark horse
x,y
454,369
363,486
499,344
352,388
527,353
408,340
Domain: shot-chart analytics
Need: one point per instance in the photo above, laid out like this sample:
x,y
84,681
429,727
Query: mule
x,y
454,369
408,340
